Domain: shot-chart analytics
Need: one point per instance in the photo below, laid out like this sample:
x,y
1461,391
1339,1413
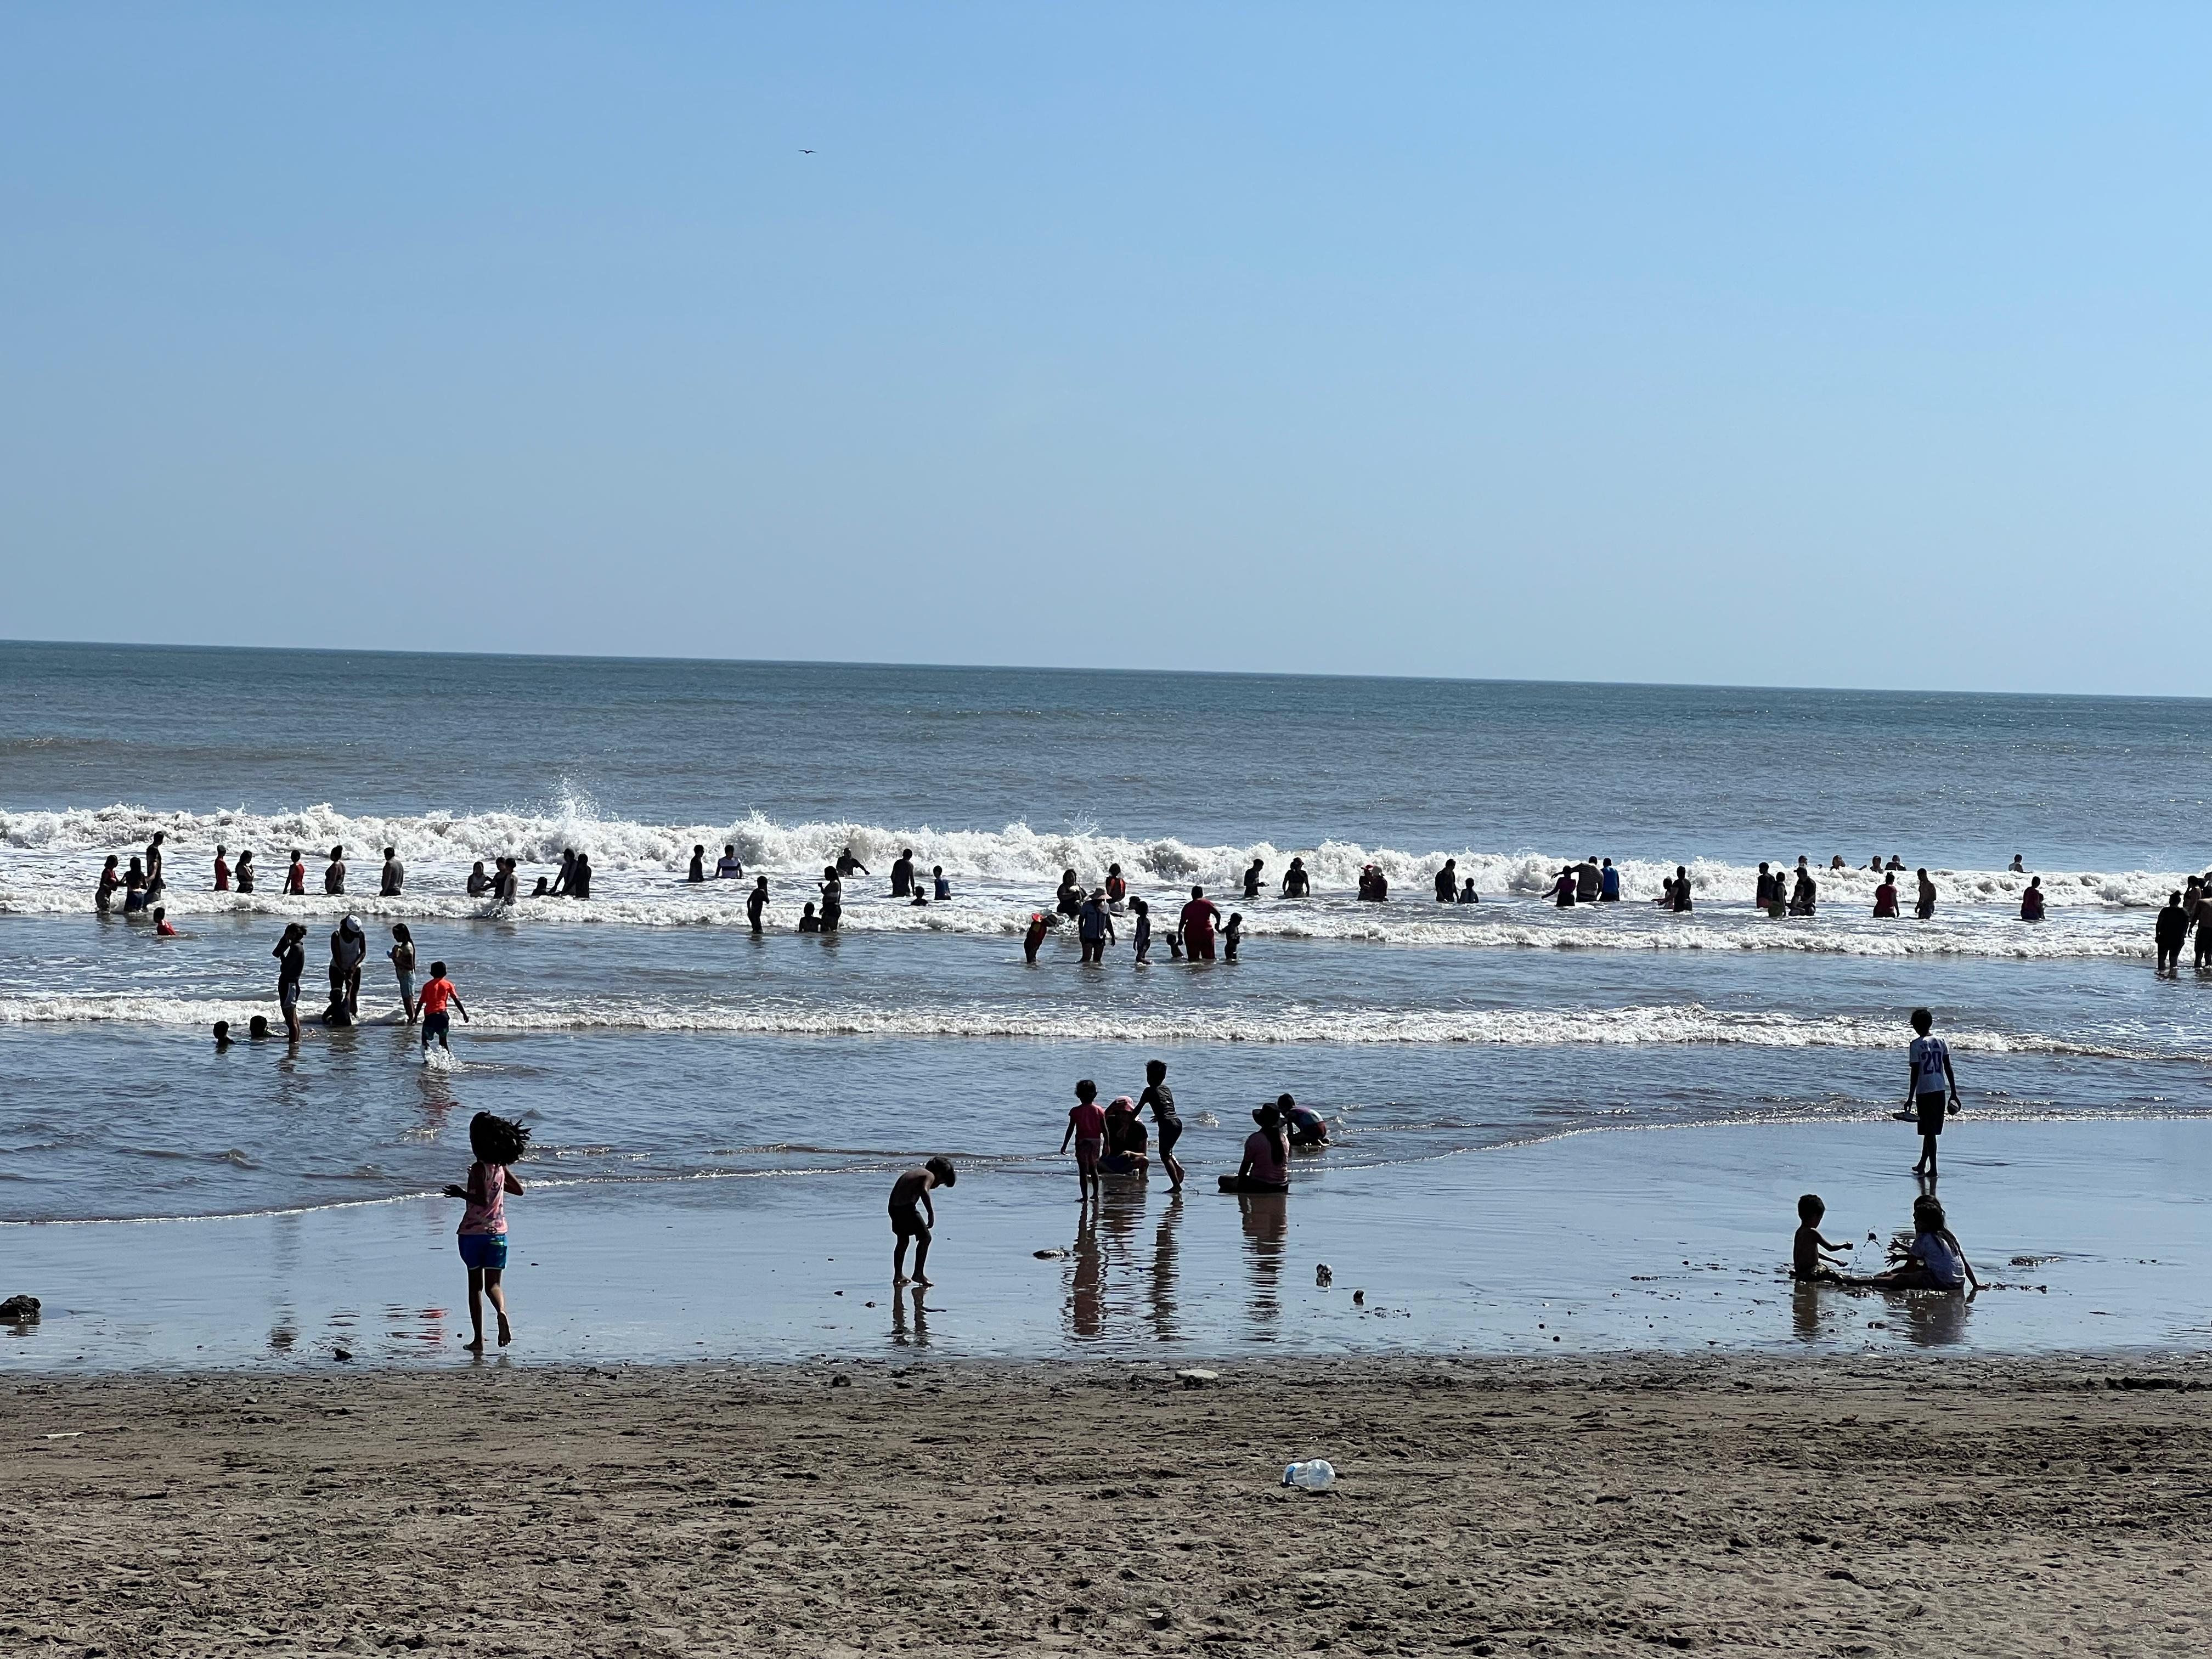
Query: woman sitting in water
x,y
1069,902
1933,1260
2031,901
1267,1165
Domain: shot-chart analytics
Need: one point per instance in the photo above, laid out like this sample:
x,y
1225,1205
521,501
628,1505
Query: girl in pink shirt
x,y
497,1142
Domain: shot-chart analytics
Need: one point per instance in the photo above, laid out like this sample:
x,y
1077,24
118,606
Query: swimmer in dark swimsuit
x,y
1448,882
1296,884
1252,878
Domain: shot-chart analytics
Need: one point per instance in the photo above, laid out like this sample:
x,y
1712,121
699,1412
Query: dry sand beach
x,y
1854,1505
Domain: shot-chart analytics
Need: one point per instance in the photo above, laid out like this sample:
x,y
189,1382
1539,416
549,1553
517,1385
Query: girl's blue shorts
x,y
484,1250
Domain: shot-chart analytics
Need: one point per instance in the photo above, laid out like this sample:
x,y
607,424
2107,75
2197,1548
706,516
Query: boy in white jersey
x,y
1932,1093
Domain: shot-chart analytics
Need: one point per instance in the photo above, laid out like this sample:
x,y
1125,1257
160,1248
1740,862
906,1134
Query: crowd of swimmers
x,y
1199,932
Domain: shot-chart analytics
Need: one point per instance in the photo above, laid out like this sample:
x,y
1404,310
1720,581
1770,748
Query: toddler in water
x,y
497,1142
1144,937
913,1216
436,1022
1232,935
1806,1264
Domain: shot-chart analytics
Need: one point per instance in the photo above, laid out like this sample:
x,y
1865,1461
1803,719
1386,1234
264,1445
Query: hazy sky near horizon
x,y
1864,345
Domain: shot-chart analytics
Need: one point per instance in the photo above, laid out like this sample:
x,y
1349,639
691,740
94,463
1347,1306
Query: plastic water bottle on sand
x,y
1316,1475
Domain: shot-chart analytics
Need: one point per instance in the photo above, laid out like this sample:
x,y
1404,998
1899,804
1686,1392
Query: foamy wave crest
x,y
49,859
1618,1027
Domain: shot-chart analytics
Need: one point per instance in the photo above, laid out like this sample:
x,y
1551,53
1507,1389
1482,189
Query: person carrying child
x,y
913,1216
1808,1265
497,1143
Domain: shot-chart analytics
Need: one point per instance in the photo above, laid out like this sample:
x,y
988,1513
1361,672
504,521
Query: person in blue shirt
x,y
1608,884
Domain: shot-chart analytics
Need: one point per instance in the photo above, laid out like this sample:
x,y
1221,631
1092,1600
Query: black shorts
x,y
1170,1131
1931,1109
906,1222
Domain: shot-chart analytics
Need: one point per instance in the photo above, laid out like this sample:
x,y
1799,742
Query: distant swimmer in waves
x,y
1374,885
1468,896
103,896
1925,907
902,875
1296,883
1033,937
1895,863
2031,901
808,921
833,898
392,877
698,870
1874,864
221,869
1885,898
567,869
334,873
162,922
756,903
1563,889
1762,896
2170,931
1837,863
1588,880
134,887
2018,867
580,877
1447,882
154,881
1806,894
1068,901
1674,891
1232,935
544,890
1143,940
479,883
943,884
295,878
729,867
849,865
1117,887
1251,878
1608,884
245,870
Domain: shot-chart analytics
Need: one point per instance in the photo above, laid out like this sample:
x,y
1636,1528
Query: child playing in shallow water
x,y
913,1216
1807,1264
497,1142
1934,1261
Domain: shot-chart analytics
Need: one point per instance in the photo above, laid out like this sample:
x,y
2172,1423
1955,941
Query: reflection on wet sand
x,y
916,1334
1266,1219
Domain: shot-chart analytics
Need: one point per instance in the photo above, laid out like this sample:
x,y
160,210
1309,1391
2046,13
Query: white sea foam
x,y
1676,1024
49,860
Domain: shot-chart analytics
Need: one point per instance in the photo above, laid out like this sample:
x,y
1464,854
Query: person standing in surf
x,y
1926,906
1198,917
833,898
436,1022
295,878
902,875
334,873
756,903
221,869
402,966
291,954
1297,884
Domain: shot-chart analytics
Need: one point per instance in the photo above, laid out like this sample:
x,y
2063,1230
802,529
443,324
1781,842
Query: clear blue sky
x,y
1761,343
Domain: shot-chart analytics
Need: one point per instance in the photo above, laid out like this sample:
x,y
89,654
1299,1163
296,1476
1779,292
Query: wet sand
x,y
2093,1234
1900,1504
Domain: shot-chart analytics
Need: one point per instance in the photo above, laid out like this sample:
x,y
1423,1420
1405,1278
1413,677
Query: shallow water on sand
x,y
667,1061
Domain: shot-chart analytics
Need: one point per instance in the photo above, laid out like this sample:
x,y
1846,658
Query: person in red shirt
x,y
222,870
161,923
296,882
436,1022
1086,1128
1198,917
